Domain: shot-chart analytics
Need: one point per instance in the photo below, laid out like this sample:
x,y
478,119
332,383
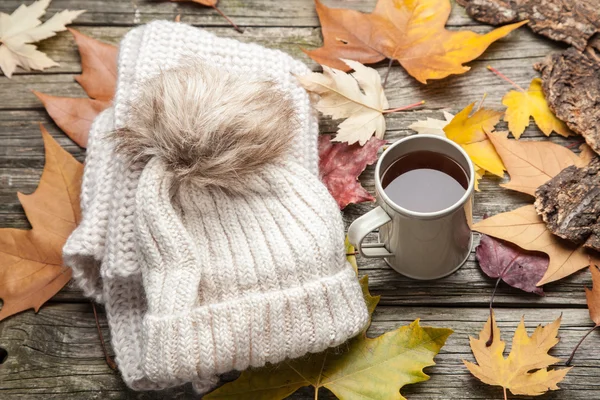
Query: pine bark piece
x,y
569,203
569,21
571,83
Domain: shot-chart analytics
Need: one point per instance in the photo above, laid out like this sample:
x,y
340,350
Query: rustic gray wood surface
x,y
56,353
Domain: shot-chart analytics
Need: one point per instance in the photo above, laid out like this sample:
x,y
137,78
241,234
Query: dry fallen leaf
x,y
521,104
23,27
213,4
98,78
410,31
593,301
517,267
525,370
361,368
531,164
357,97
572,86
340,164
525,228
470,132
31,269
570,21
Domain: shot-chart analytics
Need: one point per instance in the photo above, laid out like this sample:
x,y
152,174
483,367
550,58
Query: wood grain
x,y
57,354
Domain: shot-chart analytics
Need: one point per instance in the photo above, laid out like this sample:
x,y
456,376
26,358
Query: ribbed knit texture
x,y
209,283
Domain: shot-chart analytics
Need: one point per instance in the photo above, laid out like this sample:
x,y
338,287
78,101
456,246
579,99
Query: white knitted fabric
x,y
212,282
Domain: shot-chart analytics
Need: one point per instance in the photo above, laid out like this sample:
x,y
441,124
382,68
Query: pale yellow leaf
x,y
432,126
525,228
521,105
357,97
23,27
531,164
525,370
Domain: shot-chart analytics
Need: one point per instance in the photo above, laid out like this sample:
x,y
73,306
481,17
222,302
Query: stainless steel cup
x,y
416,244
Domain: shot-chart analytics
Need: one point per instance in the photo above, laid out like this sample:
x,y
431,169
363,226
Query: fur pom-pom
x,y
209,127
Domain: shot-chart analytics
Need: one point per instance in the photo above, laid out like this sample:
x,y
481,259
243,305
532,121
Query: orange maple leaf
x,y
31,269
98,78
410,31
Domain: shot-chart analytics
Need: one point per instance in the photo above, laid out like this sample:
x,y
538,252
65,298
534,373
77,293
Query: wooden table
x,y
56,353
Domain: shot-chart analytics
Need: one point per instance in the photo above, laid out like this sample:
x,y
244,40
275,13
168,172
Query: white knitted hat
x,y
210,280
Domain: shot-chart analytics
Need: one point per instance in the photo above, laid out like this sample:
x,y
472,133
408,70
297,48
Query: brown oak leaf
x,y
340,164
31,269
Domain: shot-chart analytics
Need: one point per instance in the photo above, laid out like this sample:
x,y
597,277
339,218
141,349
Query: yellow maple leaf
x,y
521,104
525,370
470,133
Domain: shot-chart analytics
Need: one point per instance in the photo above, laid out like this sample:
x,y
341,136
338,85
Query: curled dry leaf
x,y
525,370
531,164
340,164
569,203
525,228
31,269
570,80
517,267
521,104
412,32
358,98
99,78
23,27
570,21
593,301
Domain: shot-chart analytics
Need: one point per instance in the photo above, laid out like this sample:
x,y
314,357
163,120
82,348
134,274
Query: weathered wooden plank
x,y
243,12
22,160
57,353
62,48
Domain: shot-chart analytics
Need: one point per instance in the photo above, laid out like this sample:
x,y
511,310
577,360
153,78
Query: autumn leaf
x,y
213,4
469,131
31,269
518,268
340,164
363,368
357,97
99,78
525,370
525,228
23,27
593,301
522,104
410,31
531,164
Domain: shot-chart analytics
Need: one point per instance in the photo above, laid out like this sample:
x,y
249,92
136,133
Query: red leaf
x,y
340,165
519,268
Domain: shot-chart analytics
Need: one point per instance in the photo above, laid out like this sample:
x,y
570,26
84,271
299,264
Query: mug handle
x,y
364,225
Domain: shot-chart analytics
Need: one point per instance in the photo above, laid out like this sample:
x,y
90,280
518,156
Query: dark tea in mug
x,y
425,181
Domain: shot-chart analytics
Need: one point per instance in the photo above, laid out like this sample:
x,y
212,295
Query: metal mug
x,y
420,245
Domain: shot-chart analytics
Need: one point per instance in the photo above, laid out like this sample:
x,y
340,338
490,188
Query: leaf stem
x,y
501,75
237,28
481,102
509,266
316,393
578,344
387,73
505,397
109,361
392,110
